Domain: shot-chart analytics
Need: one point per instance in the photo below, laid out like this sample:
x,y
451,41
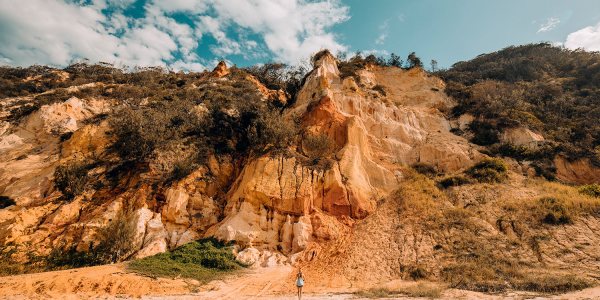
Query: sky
x,y
193,35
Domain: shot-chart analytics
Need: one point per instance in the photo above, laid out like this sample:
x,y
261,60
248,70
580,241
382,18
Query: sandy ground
x,y
114,282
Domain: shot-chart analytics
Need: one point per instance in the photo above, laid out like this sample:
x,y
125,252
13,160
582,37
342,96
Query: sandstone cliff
x,y
274,205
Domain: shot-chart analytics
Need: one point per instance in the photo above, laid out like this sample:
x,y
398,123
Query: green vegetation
x,y
224,117
590,190
456,180
316,146
489,170
6,201
414,61
425,169
548,89
203,260
48,85
115,244
349,67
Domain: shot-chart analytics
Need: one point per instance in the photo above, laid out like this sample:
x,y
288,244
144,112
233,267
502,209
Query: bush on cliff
x,y
550,89
490,170
426,169
226,117
6,201
71,179
115,244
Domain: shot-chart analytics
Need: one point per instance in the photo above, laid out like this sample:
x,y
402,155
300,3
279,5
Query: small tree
x,y
414,61
395,60
117,238
434,65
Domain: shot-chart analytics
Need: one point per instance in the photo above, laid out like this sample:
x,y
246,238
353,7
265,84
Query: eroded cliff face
x,y
279,203
273,206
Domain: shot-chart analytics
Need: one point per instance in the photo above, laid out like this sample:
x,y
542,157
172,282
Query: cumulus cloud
x,y
383,32
291,29
57,32
587,38
550,24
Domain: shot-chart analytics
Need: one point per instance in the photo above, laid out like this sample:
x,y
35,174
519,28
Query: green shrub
x,y
453,181
71,179
554,211
484,133
417,273
202,260
590,190
6,201
425,169
489,170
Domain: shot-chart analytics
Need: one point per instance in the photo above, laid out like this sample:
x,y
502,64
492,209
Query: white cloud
x,y
57,32
291,29
383,32
381,38
179,5
375,52
550,24
587,38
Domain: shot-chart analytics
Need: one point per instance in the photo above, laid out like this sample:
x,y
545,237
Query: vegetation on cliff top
x,y
549,89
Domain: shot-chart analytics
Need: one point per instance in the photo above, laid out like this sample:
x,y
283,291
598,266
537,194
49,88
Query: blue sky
x,y
195,34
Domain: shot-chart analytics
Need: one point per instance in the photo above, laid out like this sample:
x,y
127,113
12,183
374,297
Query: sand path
x,y
114,282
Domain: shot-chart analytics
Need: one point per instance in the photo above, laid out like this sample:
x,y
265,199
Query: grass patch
x,y
550,283
421,290
493,275
555,211
558,205
203,260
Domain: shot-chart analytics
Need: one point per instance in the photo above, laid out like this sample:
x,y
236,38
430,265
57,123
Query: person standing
x,y
299,283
